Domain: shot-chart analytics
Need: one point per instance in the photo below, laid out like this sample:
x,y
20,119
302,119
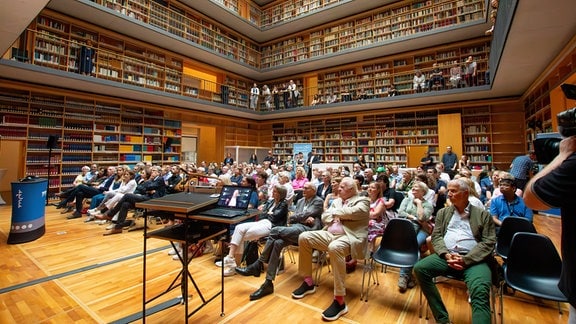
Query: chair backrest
x,y
510,226
398,247
534,266
398,197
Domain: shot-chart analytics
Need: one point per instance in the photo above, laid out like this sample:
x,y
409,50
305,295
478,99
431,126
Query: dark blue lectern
x,y
28,209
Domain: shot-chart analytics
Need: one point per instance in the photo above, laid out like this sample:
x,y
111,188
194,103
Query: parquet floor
x,y
73,274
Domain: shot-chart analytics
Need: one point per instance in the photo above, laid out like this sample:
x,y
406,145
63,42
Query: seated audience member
x,y
173,180
378,217
407,181
96,200
331,197
262,187
345,233
430,195
237,176
435,76
250,182
463,241
417,210
455,74
325,187
442,174
392,92
154,187
86,191
508,204
274,213
111,197
486,186
463,163
306,217
316,100
419,81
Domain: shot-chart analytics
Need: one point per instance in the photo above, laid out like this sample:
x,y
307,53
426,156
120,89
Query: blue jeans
x,y
421,238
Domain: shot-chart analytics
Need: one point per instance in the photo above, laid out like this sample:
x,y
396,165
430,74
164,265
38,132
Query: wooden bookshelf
x,y
489,138
375,77
182,21
386,24
544,100
88,131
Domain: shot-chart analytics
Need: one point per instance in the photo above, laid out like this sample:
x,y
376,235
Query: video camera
x,y
547,146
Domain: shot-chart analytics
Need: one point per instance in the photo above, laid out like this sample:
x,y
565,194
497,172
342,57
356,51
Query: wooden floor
x,y
73,274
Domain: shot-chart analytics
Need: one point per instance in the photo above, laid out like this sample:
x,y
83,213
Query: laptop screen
x,y
235,197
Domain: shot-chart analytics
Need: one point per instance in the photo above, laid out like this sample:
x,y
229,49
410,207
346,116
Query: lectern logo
x,y
20,197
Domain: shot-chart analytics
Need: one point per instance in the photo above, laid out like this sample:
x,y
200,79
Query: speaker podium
x,y
28,210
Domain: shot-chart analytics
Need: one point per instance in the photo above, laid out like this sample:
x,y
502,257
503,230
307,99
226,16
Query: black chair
x,y
533,267
398,248
510,226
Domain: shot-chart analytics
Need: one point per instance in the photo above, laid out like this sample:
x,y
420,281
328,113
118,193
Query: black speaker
x,y
52,141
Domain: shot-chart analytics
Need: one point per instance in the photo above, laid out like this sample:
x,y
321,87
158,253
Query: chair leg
x,y
367,268
322,260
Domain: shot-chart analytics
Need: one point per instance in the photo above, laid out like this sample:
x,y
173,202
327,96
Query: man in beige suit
x,y
345,233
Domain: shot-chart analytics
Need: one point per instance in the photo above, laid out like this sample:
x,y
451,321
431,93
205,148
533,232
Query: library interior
x,y
218,92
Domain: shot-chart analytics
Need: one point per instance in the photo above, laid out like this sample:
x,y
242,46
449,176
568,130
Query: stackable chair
x,y
533,267
398,248
510,226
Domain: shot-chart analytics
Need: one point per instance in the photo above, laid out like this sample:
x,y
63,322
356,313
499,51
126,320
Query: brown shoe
x,y
113,231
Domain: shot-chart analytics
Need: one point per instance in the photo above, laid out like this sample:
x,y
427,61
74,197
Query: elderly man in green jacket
x,y
463,240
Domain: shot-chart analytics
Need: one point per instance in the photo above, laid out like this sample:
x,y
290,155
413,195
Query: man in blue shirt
x,y
508,204
450,159
521,169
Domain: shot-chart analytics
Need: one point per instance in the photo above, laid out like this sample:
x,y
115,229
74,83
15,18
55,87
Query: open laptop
x,y
233,201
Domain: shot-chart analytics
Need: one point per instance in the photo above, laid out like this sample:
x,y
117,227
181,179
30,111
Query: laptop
x,y
233,201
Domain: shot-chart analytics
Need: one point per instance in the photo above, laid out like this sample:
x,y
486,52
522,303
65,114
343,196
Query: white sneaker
x,y
101,221
90,211
228,262
228,272
96,213
173,251
111,226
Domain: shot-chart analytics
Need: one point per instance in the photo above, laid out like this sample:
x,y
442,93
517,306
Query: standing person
x,y
345,233
267,96
470,76
427,161
86,60
450,161
554,186
463,241
455,76
293,93
285,96
228,160
306,217
254,93
521,169
276,95
313,158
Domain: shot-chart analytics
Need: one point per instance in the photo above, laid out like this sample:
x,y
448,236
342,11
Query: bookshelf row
x,y
383,25
59,44
180,20
374,78
384,138
392,22
86,131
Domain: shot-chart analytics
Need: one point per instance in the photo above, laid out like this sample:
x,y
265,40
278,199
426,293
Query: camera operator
x,y
554,186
